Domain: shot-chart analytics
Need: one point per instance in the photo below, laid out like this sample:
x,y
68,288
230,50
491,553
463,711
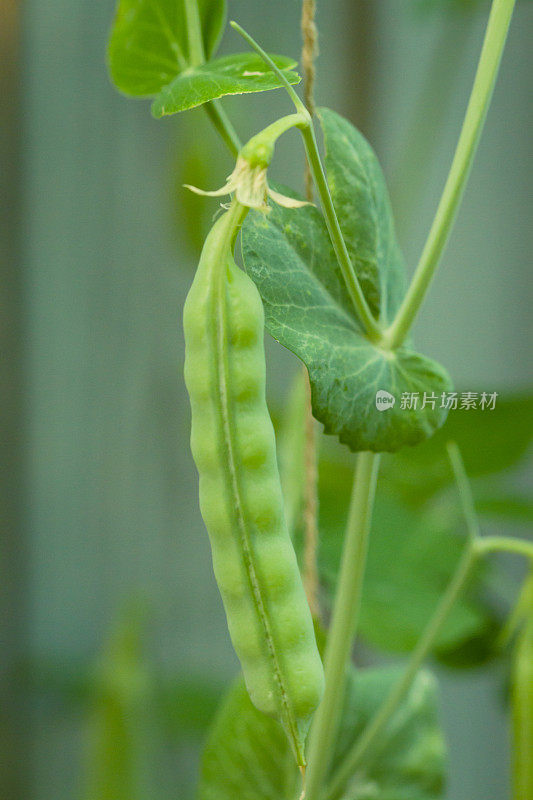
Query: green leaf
x,y
247,755
363,209
240,73
289,256
411,559
490,441
410,762
149,43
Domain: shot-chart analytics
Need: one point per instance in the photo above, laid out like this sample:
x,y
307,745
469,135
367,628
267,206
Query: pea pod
x,y
233,445
522,702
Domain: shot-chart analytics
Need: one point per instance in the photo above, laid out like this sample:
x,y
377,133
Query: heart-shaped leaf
x,y
149,43
235,74
247,755
307,308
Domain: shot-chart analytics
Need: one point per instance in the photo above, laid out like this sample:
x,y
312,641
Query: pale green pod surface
x,y
233,444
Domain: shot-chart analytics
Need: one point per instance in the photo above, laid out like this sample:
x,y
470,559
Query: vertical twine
x,y
310,510
309,53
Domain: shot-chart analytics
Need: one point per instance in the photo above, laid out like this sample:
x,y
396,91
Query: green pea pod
x,y
233,445
522,703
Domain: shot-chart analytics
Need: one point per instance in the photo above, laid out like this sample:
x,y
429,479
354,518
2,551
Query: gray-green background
x,y
99,488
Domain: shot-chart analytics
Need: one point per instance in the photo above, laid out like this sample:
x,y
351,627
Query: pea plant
x,y
325,275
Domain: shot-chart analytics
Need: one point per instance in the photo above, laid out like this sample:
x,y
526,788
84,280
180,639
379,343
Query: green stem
x,y
505,544
465,491
260,148
366,317
491,53
518,614
194,33
371,736
300,107
343,623
214,110
362,309
223,126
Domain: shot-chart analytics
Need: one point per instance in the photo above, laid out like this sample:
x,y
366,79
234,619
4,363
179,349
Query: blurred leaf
x,y
490,442
411,559
411,760
289,256
234,74
121,725
149,44
247,756
184,704
508,507
187,705
452,5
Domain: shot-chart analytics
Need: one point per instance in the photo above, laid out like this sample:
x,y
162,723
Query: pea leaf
x,y
289,256
412,557
149,44
240,73
490,441
410,762
363,209
247,755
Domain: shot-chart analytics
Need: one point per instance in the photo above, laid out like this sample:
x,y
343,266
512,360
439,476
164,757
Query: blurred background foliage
x,y
114,642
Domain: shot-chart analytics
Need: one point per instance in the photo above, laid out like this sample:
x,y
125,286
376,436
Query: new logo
x,y
384,400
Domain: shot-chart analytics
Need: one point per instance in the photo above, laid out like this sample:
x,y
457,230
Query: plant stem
x,y
343,623
372,732
194,33
371,735
369,323
518,614
223,126
266,58
465,491
372,328
214,110
495,36
505,544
